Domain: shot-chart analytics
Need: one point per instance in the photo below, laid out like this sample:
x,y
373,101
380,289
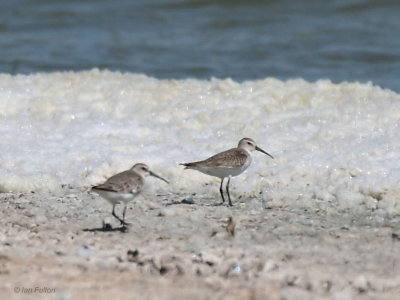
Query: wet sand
x,y
66,245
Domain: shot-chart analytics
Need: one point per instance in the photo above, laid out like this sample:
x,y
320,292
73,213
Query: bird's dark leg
x,y
221,191
113,213
123,216
227,191
118,218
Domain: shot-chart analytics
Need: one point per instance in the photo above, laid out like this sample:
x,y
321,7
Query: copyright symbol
x,y
17,289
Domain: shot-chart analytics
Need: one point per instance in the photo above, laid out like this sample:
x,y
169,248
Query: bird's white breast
x,y
223,172
115,197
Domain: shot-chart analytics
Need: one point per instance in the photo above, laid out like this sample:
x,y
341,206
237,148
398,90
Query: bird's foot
x,y
123,223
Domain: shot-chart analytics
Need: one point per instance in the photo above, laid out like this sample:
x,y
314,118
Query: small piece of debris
x,y
106,225
230,228
132,255
361,284
395,236
188,200
163,270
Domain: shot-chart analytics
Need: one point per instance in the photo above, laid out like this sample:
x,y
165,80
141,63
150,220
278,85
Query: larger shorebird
x,y
229,163
124,187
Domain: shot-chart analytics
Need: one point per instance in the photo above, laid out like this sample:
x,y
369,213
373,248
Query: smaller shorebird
x,y
229,163
124,186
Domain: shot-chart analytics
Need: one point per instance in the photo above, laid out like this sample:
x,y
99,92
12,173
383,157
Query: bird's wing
x,y
236,158
125,182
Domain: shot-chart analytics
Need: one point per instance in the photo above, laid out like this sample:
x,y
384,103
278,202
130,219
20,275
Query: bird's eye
x,y
248,143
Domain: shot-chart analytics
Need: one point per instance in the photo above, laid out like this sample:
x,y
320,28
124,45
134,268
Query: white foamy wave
x,y
335,145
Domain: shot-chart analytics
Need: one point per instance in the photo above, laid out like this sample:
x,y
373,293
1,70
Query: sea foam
x,y
335,145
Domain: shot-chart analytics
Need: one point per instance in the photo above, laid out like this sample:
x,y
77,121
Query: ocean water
x,y
352,40
335,145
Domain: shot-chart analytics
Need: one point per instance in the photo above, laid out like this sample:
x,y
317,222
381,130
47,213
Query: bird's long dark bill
x,y
159,177
261,150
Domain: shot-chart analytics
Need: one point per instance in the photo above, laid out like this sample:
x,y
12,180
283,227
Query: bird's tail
x,y
188,165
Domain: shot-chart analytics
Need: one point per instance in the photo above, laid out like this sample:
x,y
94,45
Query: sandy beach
x,y
66,245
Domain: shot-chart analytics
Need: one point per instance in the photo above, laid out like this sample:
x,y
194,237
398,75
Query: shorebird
x,y
229,163
124,186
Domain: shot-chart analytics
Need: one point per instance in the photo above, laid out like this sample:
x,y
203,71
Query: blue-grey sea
x,y
353,40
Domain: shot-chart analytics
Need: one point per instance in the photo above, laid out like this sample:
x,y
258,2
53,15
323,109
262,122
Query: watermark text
x,y
34,290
